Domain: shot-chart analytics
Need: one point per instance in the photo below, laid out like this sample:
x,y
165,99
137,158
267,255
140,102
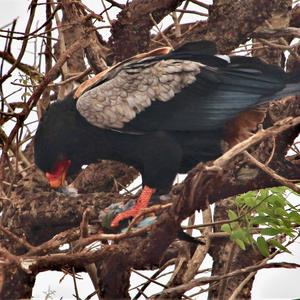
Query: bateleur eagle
x,y
161,112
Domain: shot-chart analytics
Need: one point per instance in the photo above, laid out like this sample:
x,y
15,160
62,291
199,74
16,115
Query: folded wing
x,y
186,90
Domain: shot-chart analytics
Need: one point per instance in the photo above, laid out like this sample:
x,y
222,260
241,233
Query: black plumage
x,y
166,137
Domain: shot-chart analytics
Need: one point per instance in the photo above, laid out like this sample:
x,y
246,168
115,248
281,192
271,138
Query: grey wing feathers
x,y
212,99
132,88
179,92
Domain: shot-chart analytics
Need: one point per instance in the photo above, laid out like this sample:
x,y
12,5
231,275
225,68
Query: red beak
x,y
57,177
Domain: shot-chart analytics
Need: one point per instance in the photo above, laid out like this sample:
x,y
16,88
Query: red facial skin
x,y
57,177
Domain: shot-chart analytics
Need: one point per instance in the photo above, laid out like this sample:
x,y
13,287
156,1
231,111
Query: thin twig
x,y
90,268
24,44
205,280
75,284
161,33
16,239
200,3
201,251
13,259
252,274
116,4
111,237
277,128
194,12
272,173
148,278
236,292
154,276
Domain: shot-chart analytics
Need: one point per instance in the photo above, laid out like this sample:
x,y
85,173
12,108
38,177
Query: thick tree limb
x,y
131,31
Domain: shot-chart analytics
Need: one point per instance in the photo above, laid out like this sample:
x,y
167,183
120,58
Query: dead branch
x,y
24,44
27,69
278,32
135,18
204,280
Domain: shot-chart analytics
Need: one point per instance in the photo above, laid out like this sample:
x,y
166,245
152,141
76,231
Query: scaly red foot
x,y
141,203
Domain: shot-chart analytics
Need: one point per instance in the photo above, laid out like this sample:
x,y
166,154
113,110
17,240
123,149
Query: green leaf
x,y
260,220
226,228
294,217
240,243
239,234
279,190
270,231
232,215
278,245
263,220
264,193
287,231
250,201
277,201
280,211
262,246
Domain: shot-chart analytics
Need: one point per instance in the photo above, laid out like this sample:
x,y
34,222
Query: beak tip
x,y
55,182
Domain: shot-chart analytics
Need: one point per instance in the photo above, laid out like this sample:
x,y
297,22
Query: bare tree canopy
x,y
244,231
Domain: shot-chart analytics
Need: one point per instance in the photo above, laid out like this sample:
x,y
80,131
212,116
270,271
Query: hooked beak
x,y
57,178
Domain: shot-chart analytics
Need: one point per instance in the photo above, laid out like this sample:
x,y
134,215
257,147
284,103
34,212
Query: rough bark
x,y
247,16
79,25
131,31
293,63
72,32
22,283
280,18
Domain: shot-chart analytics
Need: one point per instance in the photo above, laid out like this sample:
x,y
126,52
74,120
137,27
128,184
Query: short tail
x,y
292,87
181,235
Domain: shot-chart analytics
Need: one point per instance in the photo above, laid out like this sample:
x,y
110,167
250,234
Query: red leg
x,y
141,203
